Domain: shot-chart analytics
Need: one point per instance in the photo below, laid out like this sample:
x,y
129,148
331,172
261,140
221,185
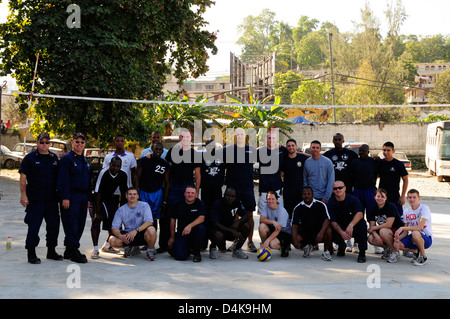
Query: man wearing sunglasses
x,y
74,190
347,220
38,173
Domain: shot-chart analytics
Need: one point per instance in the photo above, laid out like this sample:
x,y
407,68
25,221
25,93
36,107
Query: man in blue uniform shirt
x,y
74,189
38,173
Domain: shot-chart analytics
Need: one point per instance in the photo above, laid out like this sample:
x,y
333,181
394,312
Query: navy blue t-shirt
x,y
182,164
380,215
270,162
341,161
225,214
390,174
152,174
293,173
342,212
239,163
213,173
186,213
364,173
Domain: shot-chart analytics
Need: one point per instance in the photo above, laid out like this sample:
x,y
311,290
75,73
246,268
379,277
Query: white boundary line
x,y
68,97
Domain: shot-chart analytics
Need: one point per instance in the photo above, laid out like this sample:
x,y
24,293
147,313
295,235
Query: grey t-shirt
x,y
132,217
280,215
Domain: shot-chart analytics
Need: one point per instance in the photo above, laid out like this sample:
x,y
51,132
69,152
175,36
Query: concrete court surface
x,y
294,277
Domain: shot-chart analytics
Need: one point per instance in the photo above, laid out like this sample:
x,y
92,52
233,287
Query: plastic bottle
x,y
8,243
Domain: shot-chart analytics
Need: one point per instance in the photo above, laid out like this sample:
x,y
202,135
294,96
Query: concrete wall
x,y
10,140
407,137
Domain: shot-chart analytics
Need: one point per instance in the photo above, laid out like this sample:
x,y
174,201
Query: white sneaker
x,y
349,246
395,256
355,248
326,255
307,251
420,261
386,253
95,254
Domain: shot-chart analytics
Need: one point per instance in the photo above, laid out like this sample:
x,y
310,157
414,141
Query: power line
x,y
86,98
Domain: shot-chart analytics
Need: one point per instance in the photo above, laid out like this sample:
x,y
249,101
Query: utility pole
x,y
332,90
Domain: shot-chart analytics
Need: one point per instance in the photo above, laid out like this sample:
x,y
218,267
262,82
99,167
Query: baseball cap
x,y
43,135
79,134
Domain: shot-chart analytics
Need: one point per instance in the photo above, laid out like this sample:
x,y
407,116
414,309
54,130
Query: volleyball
x,y
264,254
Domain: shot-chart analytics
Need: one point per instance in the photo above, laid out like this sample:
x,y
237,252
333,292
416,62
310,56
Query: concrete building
x,y
212,88
425,81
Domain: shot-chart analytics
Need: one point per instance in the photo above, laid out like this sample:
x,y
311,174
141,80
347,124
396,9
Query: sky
x,y
425,17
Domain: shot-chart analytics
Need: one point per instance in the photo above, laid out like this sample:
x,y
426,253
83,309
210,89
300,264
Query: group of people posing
x,y
200,197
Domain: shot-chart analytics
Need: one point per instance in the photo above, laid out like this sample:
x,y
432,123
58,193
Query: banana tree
x,y
260,117
172,115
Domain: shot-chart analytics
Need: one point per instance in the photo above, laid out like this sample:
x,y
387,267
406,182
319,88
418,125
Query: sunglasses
x,y
78,142
339,187
42,142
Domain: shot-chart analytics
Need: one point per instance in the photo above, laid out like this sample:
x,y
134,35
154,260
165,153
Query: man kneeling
x,y
311,225
230,222
138,230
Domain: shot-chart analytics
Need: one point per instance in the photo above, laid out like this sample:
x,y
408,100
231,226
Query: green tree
x,y
250,116
311,93
258,35
122,49
429,49
286,84
304,26
441,90
310,50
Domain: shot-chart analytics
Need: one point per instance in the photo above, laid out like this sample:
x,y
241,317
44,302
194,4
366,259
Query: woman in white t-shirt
x,y
417,220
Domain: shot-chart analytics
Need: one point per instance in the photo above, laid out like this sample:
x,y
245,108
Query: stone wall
x,y
407,137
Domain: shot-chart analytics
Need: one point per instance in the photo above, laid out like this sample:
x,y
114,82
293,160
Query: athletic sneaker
x,y
232,247
386,253
395,256
420,261
326,255
307,251
349,246
408,254
251,246
238,253
355,248
213,252
95,254
131,251
151,254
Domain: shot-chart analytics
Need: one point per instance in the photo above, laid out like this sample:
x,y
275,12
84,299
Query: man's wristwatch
x,y
137,229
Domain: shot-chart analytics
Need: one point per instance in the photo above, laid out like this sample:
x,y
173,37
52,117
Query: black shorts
x,y
283,237
108,211
139,239
247,198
